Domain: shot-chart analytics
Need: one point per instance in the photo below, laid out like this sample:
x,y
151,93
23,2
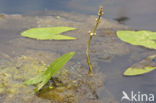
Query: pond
x,y
140,13
22,58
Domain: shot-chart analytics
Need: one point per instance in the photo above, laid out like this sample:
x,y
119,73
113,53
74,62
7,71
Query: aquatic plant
x,y
144,66
141,38
48,33
41,79
92,33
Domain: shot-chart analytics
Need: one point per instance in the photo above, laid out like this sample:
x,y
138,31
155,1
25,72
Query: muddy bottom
x,y
23,58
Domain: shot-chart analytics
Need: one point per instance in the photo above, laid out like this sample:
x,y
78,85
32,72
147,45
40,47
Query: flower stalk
x,y
100,13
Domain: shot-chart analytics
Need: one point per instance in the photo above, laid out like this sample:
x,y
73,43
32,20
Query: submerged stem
x,y
88,57
100,13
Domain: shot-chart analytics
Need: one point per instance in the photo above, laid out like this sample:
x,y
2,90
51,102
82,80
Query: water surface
x,y
140,13
109,55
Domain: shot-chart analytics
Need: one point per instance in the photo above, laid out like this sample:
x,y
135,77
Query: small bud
x,y
89,32
100,13
92,34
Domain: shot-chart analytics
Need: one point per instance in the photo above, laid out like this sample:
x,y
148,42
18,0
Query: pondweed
x,y
141,38
48,33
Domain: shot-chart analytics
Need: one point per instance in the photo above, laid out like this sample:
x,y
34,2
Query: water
x,y
111,56
140,13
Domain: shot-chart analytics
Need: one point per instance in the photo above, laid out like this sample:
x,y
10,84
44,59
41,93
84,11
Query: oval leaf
x,y
52,69
144,66
48,33
142,38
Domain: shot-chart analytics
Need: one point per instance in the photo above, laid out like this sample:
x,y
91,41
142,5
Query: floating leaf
x,y
52,69
143,38
48,33
144,66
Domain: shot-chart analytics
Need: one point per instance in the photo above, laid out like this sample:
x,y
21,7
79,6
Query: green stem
x,y
100,13
88,57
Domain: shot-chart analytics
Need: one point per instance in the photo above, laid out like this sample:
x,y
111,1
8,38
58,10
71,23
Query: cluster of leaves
x,y
49,33
141,38
41,79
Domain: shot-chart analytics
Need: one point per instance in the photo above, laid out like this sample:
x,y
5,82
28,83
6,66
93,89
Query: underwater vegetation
x,y
71,85
141,38
14,73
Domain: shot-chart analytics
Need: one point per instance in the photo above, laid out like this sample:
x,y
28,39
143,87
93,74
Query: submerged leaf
x,y
142,38
48,33
52,69
144,66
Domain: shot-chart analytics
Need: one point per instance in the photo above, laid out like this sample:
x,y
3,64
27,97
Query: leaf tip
x,y
72,53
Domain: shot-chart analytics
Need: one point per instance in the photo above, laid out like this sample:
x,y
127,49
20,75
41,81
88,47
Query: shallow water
x,y
140,13
109,55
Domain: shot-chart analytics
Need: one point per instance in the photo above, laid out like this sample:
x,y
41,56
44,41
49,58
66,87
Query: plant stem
x,y
100,13
88,57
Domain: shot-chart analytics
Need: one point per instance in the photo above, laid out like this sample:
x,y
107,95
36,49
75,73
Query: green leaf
x,y
138,71
144,66
142,38
48,33
52,69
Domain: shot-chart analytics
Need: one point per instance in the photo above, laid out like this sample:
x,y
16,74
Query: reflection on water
x,y
142,13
